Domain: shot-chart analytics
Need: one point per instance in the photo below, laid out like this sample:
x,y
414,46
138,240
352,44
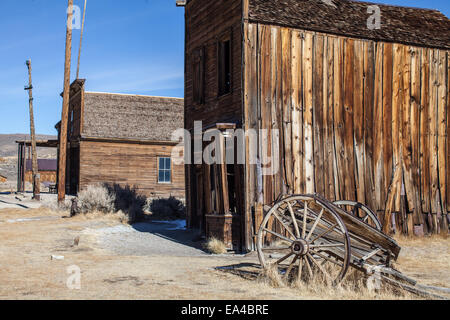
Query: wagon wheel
x,y
361,212
302,237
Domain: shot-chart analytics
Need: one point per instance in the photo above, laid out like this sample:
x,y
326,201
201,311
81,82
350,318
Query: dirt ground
x,y
157,261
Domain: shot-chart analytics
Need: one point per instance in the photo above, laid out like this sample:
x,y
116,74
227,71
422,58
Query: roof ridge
x,y
394,5
132,95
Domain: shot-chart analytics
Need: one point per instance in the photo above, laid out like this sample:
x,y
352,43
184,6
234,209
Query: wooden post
x,y
81,39
36,179
65,108
19,168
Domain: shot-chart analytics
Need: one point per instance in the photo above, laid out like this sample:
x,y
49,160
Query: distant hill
x,y
8,145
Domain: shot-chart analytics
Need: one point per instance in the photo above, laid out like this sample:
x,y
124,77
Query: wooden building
x,y
46,167
361,111
123,139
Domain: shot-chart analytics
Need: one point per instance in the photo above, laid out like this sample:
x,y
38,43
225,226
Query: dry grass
x,y
431,254
215,246
353,287
119,216
96,198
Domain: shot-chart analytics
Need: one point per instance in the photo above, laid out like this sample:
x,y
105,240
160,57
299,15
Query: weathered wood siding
x,y
46,176
206,22
129,164
357,119
76,106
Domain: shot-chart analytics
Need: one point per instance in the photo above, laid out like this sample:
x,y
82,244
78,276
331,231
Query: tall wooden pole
x,y
65,108
81,39
36,178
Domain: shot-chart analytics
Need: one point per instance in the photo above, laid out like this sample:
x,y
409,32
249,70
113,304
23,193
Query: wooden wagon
x,y
306,236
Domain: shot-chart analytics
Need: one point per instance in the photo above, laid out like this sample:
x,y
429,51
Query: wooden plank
x,y
409,171
296,110
308,111
251,123
338,113
329,155
397,107
275,91
349,65
369,78
265,98
424,131
318,124
415,129
358,119
434,169
388,77
448,134
287,107
442,128
378,130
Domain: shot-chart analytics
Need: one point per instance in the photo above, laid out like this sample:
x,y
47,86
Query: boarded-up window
x,y
224,66
164,170
198,80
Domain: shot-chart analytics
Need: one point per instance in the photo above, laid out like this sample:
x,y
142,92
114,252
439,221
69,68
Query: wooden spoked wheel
x,y
361,212
302,237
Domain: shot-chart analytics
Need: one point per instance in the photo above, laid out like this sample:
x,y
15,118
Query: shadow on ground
x,y
248,271
174,231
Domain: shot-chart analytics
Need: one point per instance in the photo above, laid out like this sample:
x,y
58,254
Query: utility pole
x,y
81,39
36,178
65,108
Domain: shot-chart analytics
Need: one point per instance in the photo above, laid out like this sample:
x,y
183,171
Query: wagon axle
x,y
300,247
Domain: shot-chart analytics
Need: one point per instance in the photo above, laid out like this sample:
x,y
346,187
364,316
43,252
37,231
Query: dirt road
x,y
153,261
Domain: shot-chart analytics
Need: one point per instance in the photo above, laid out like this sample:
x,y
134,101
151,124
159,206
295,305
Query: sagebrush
x,y
96,198
170,208
112,199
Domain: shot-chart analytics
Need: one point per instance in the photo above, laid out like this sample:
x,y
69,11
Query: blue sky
x,y
129,47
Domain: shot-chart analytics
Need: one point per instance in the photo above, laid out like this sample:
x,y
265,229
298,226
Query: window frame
x,y
199,62
225,37
164,170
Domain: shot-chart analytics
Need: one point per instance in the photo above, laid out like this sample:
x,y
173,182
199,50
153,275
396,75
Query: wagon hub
x,y
300,247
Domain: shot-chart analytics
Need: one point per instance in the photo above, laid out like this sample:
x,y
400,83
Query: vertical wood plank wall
x,y
129,164
358,120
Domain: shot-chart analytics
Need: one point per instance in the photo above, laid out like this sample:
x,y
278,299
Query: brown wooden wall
x,y
46,176
356,119
76,106
204,31
206,22
129,164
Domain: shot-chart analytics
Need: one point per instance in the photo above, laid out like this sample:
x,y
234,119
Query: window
x,y
198,80
224,66
164,170
71,122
